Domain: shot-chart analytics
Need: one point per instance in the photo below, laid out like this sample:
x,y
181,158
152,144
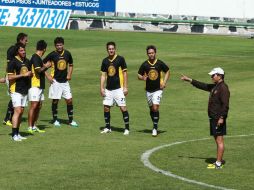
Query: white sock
x,y
218,163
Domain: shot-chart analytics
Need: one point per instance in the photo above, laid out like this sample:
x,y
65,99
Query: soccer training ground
x,y
82,158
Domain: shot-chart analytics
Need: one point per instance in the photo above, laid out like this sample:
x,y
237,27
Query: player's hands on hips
x,y
162,86
68,77
144,77
103,92
125,91
185,78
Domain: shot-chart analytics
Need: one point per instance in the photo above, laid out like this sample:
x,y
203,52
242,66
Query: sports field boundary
x,y
146,155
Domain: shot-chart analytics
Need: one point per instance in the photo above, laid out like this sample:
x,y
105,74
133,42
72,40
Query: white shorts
x,y
18,100
35,94
114,97
58,90
154,98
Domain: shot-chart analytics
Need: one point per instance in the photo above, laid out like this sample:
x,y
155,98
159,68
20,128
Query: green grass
x,y
82,158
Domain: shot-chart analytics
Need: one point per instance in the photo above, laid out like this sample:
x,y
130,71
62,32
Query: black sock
x,y
151,114
156,117
107,119
54,111
9,112
126,119
14,132
70,112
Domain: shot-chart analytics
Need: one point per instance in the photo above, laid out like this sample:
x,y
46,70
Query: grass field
x,y
82,158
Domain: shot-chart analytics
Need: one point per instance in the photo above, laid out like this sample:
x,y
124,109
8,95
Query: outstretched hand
x,y
185,78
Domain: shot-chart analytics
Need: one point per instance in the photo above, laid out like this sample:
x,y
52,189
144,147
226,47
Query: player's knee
x,y
19,111
69,101
106,108
123,108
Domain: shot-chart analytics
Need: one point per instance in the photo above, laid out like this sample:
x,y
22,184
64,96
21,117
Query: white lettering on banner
x,y
33,17
87,4
55,3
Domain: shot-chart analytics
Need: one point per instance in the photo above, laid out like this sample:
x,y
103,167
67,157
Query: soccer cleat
x,y
214,166
36,129
57,124
73,124
8,123
126,132
154,133
16,138
106,130
30,130
22,138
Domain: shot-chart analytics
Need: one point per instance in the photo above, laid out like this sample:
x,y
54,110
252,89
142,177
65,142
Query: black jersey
x,y
60,64
38,79
154,72
114,69
18,66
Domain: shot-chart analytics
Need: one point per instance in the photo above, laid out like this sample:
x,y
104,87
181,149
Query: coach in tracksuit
x,y
218,106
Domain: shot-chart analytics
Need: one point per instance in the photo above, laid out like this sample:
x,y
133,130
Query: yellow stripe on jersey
x,y
52,71
12,84
155,61
35,82
121,76
111,60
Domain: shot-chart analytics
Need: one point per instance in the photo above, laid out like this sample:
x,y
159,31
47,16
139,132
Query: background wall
x,y
213,8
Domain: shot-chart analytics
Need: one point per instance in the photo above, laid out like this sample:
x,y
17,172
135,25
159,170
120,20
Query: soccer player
x,y
19,76
11,53
35,93
218,106
152,71
62,67
114,74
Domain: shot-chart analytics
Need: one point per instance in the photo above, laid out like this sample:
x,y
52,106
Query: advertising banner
x,y
84,5
34,17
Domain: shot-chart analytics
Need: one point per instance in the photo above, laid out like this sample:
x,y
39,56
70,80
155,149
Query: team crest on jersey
x,y
61,64
23,70
153,74
111,71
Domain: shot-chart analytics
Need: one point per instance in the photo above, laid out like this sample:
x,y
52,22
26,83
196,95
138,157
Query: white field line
x,y
145,159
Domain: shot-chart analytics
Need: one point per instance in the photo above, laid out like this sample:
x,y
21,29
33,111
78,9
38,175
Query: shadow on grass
x,y
150,131
62,121
43,127
207,160
117,129
24,134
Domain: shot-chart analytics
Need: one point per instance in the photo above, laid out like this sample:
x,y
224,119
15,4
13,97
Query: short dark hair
x,y
17,46
111,43
21,36
151,47
59,40
41,45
